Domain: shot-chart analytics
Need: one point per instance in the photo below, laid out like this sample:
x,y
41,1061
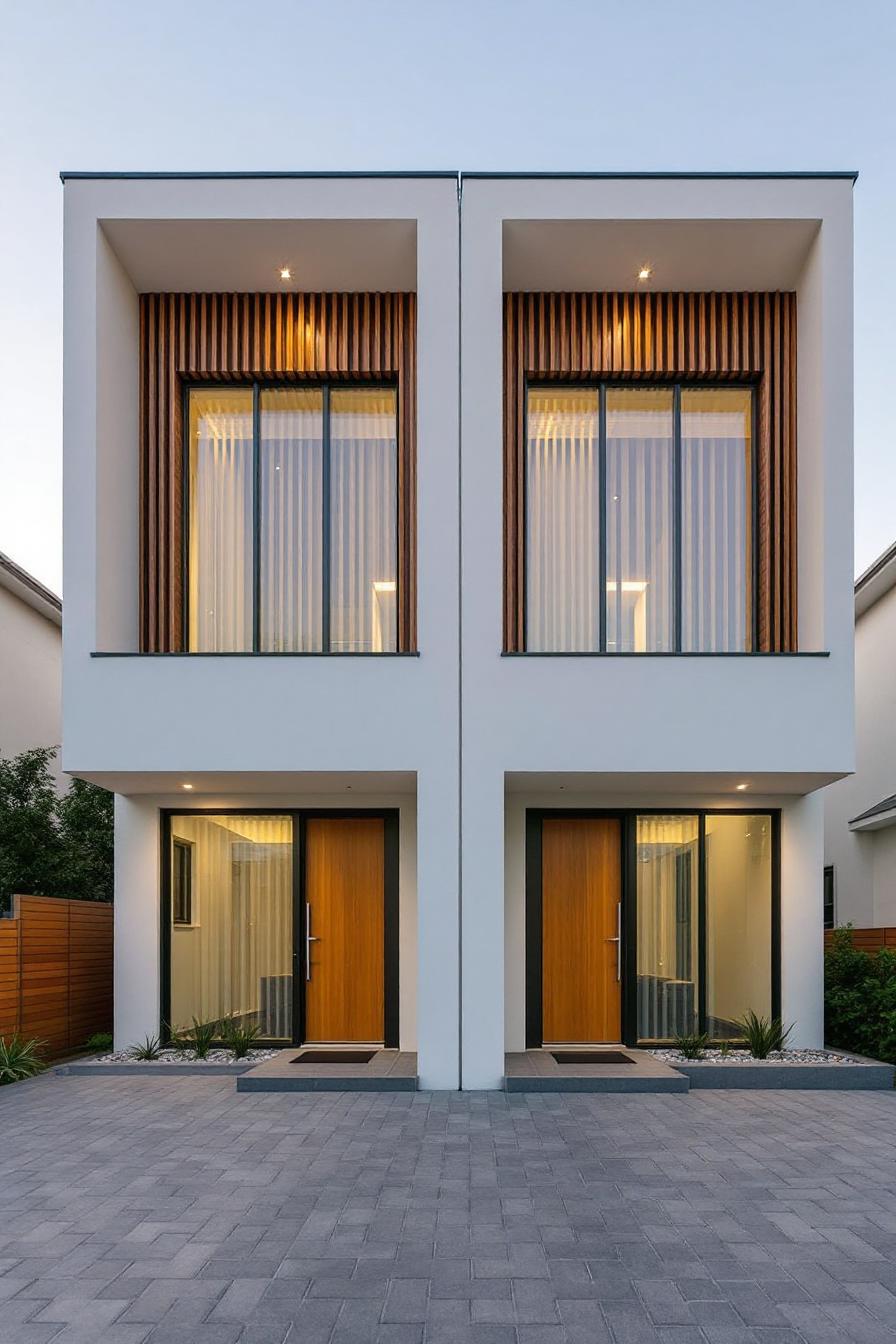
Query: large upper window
x,y
292,513
639,507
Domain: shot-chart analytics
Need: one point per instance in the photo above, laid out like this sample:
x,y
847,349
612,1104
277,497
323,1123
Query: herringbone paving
x,y
176,1211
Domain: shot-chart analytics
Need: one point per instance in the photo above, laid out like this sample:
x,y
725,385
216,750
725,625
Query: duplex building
x,y
459,600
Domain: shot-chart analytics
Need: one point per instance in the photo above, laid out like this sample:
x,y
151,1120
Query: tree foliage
x,y
52,844
860,999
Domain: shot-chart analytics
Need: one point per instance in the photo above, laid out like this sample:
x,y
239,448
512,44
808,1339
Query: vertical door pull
x,y
618,940
309,939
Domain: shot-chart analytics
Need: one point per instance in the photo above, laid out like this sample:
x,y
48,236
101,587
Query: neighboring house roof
x,y
26,587
881,814
877,580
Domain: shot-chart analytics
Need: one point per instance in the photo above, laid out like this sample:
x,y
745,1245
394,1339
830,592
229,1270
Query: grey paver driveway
x,y
176,1210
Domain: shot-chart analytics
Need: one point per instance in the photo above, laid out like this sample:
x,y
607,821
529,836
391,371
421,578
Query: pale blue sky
x,y
403,84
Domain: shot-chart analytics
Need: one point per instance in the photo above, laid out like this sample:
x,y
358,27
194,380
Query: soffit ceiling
x,y
691,254
232,255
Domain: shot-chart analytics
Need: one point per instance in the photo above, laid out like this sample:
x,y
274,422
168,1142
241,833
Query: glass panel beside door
x,y
231,922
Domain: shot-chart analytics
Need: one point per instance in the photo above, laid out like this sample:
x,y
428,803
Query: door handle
x,y
618,940
309,939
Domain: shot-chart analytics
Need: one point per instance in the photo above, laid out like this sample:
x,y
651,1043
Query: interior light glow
x,y
645,273
285,273
186,786
741,787
384,585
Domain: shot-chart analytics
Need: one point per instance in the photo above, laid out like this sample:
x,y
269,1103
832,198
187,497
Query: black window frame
x,y
628,819
676,386
829,897
182,854
257,386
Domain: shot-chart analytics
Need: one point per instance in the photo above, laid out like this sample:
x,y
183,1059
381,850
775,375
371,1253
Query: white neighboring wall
x,y
30,663
864,860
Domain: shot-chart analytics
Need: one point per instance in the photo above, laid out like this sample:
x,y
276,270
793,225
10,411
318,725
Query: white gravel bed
x,y
185,1057
715,1056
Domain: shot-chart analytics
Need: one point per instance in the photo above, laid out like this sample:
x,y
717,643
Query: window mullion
x,y
676,519
602,513
325,523
256,518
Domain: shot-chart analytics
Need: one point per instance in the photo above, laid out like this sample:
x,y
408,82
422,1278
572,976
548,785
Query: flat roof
x,y
846,174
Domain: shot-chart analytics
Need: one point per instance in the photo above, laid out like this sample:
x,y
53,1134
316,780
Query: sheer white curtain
x,y
667,926
562,521
716,519
291,520
235,958
220,546
363,521
640,476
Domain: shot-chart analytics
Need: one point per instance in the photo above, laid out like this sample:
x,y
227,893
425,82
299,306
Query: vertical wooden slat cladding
x,y
193,337
638,336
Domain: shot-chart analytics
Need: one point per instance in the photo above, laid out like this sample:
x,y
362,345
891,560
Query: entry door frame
x,y
627,817
390,915
535,818
391,970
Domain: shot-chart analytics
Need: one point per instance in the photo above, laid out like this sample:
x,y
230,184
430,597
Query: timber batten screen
x,y
235,339
586,338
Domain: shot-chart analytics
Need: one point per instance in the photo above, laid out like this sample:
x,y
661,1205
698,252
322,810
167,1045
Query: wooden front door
x,y
581,892
344,913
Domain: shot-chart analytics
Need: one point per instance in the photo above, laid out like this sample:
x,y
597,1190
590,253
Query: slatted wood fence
x,y
56,971
867,940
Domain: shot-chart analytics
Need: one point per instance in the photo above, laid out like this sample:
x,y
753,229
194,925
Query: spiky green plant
x,y
691,1044
237,1037
100,1043
148,1048
201,1036
19,1058
763,1035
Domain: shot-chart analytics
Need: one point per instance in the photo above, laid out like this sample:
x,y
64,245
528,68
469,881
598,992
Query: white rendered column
x,y
482,829
137,912
802,934
437,928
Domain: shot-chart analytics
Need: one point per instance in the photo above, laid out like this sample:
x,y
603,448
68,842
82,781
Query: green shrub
x,y
763,1035
19,1059
691,1045
148,1048
100,1043
239,1039
200,1037
860,998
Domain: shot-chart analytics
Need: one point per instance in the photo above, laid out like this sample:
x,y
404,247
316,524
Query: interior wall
x,y
738,868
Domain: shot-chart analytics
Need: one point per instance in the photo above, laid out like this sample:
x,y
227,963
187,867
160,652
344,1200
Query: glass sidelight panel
x,y
716,519
291,520
639,504
363,521
220,491
668,922
738,920
234,957
563,521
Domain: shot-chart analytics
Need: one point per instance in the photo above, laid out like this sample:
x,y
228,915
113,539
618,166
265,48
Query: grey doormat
x,y
591,1057
334,1057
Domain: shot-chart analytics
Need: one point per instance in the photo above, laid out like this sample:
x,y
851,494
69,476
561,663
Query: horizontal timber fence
x,y
56,971
866,940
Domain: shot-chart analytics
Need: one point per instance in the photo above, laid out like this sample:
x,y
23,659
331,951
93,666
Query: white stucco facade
x,y
460,739
860,848
30,663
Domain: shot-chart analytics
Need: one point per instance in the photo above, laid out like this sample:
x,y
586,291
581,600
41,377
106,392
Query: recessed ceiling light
x,y
741,787
186,786
645,272
285,273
